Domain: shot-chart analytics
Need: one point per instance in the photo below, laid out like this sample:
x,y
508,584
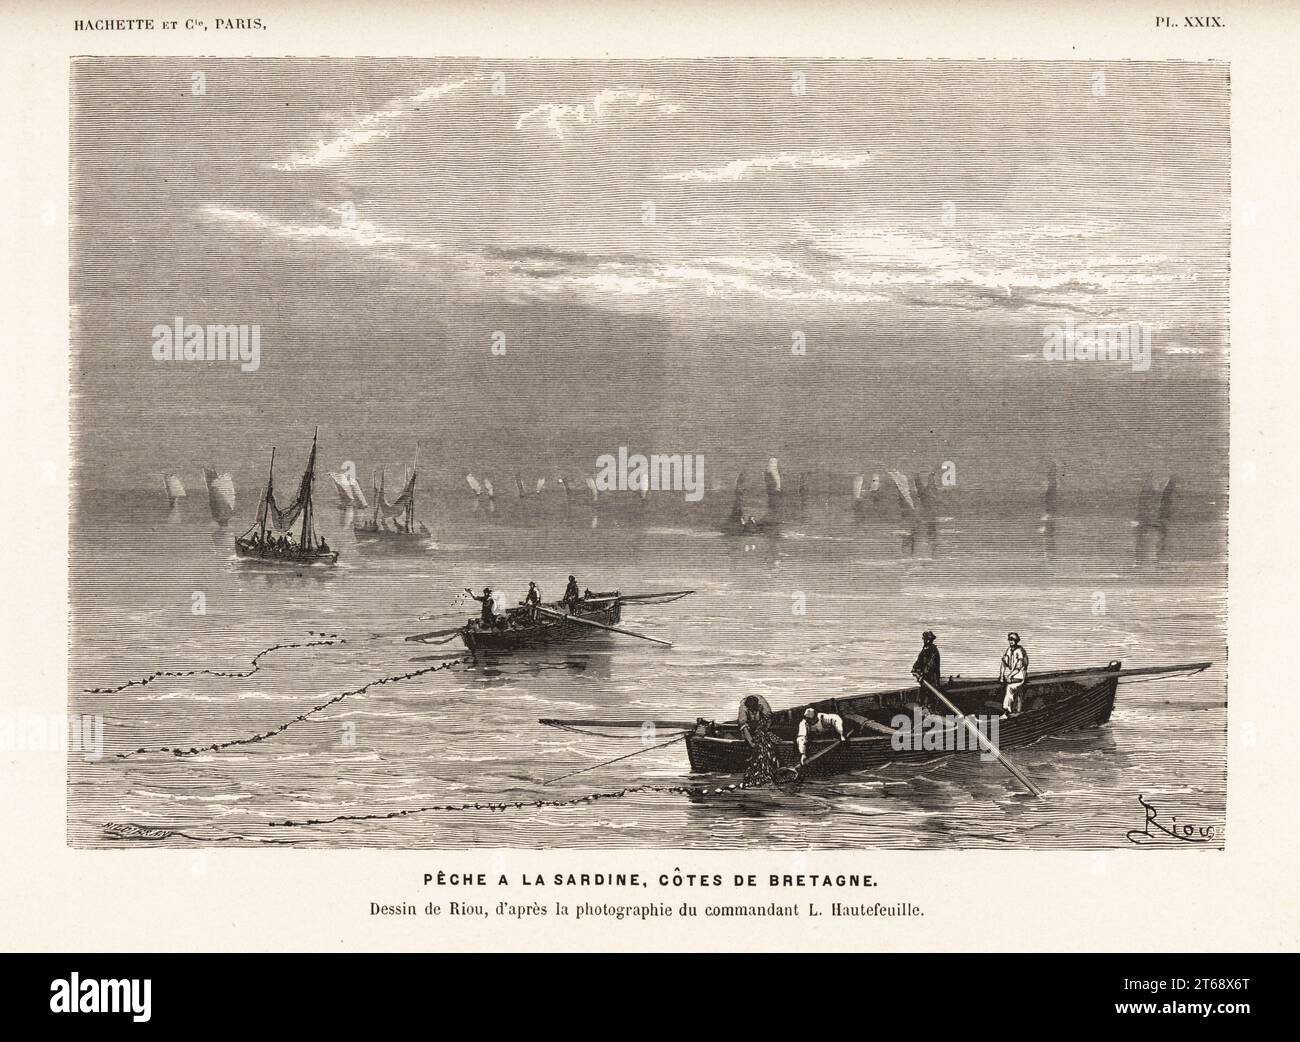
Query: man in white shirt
x,y
814,722
1013,674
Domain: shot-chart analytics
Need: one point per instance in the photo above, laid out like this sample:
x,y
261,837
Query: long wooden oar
x,y
670,594
434,633
791,774
1016,772
673,725
600,626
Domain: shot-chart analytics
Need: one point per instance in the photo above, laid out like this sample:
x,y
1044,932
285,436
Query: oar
x,y
655,596
667,725
434,633
600,626
674,594
1019,775
794,772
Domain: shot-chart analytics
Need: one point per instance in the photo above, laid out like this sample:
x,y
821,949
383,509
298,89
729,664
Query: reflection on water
x,y
829,607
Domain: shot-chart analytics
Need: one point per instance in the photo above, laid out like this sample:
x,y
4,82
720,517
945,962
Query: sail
x,y
858,482
221,495
399,505
487,487
1050,495
175,490
358,497
284,517
541,484
775,494
1166,511
591,485
904,493
343,488
738,503
1146,507
519,486
474,484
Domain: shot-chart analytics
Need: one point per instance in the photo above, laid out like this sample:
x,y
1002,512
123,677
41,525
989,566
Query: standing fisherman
x,y
1013,674
487,614
532,601
926,666
571,595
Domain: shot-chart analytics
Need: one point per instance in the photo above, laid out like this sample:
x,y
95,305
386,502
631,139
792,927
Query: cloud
x,y
739,169
349,230
562,121
379,124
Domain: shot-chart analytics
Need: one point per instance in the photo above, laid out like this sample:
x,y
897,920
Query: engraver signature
x,y
1153,828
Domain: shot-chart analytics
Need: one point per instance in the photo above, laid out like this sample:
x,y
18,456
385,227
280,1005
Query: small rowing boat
x,y
1053,703
552,623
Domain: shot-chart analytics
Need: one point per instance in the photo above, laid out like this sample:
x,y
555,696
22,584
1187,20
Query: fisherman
x,y
755,720
487,614
814,722
1013,674
571,595
926,666
532,601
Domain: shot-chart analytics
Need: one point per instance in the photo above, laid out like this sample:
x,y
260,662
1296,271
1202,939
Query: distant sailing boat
x,y
393,524
175,490
263,542
348,491
740,523
221,495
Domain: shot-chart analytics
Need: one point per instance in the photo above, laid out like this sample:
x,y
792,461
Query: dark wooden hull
x,y
544,632
1077,701
389,541
764,527
250,551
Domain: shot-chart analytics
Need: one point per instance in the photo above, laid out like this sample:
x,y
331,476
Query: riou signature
x,y
1154,829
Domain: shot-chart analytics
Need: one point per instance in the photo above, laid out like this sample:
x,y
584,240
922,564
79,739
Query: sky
x,y
648,242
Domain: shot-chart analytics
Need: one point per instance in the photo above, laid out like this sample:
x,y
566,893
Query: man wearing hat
x,y
926,666
532,601
487,613
1013,674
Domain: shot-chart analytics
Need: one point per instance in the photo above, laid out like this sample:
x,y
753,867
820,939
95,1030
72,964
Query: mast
x,y
266,496
410,504
306,539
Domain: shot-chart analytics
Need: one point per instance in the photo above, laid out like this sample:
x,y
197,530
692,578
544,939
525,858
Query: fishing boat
x,y
555,626
739,523
1053,703
347,490
393,525
221,495
262,542
553,623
